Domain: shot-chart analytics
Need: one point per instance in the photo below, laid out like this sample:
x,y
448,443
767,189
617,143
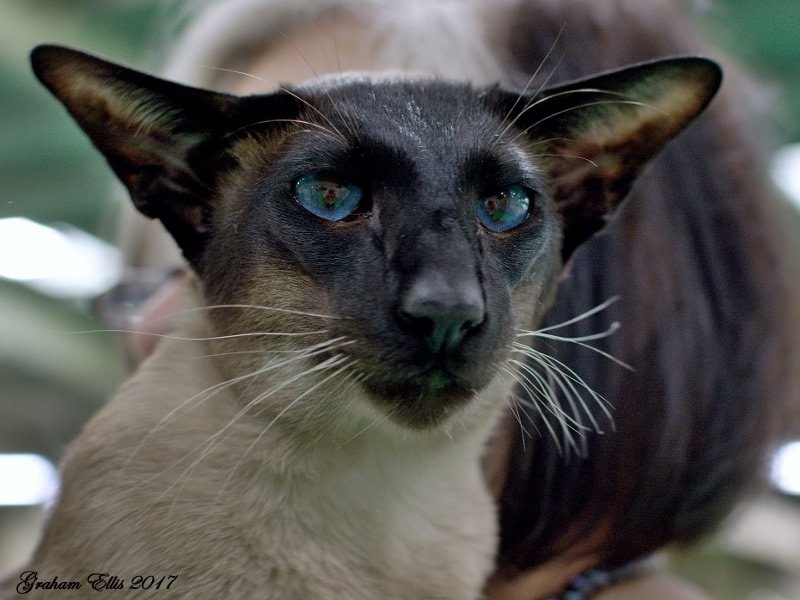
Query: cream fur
x,y
362,513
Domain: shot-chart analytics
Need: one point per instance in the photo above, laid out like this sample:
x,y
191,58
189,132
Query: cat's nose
x,y
442,312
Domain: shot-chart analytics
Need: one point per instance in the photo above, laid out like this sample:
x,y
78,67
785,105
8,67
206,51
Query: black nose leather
x,y
441,311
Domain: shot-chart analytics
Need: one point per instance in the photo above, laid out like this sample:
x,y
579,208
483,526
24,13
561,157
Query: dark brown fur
x,y
702,261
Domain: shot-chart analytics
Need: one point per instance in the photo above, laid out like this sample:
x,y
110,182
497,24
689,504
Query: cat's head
x,y
413,225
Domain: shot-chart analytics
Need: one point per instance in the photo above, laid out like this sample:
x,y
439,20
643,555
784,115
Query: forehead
x,y
418,116
388,132
388,99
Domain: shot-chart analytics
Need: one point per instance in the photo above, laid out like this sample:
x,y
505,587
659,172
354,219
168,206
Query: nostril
x,y
441,306
417,324
443,325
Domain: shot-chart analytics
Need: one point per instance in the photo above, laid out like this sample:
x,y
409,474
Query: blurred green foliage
x,y
765,35
51,379
48,170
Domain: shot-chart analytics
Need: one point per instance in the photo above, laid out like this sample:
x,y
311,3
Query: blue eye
x,y
505,209
327,197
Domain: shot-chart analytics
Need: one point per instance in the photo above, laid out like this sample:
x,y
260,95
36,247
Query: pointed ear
x,y
593,137
165,141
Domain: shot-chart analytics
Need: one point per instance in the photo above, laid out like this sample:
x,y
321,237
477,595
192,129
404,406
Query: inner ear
x,y
166,142
593,137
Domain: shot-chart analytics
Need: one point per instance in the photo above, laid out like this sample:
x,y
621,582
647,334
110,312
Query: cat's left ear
x,y
166,142
593,137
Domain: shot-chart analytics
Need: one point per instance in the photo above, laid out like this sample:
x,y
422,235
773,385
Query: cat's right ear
x,y
593,137
166,142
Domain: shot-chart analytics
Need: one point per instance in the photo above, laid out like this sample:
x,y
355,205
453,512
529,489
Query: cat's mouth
x,y
418,386
420,398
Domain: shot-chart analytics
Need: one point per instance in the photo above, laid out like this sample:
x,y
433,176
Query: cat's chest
x,y
394,528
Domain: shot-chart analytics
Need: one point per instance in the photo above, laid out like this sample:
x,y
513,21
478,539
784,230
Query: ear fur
x,y
165,141
593,137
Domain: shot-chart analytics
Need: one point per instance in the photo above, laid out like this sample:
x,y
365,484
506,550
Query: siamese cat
x,y
365,251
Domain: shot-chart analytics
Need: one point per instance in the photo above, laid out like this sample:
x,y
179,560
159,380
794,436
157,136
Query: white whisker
x,y
233,71
340,136
580,317
339,360
580,106
573,156
513,402
568,374
244,353
548,381
546,392
320,128
536,406
580,342
215,439
201,339
213,390
289,311
335,105
528,85
571,393
538,100
612,329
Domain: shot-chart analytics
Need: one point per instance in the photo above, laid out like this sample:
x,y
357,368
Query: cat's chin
x,y
423,401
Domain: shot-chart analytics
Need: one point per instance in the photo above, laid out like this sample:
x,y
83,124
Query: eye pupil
x,y
504,210
327,197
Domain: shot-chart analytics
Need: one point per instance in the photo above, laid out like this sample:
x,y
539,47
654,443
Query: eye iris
x,y
504,210
326,197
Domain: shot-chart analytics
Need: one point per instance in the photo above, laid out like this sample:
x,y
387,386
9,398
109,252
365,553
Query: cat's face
x,y
413,225
405,213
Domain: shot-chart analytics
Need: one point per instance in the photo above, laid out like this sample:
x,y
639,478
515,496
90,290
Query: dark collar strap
x,y
585,585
